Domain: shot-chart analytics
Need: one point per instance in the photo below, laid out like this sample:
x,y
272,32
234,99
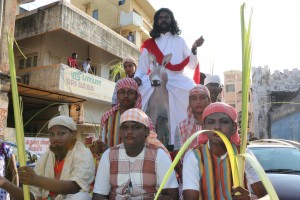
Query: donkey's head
x,y
158,73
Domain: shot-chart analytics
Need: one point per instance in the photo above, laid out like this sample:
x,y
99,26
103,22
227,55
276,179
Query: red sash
x,y
152,48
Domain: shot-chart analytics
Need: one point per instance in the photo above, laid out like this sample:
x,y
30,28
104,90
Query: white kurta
x,y
179,83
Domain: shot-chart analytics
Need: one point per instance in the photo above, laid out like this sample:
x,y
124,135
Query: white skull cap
x,y
63,120
212,79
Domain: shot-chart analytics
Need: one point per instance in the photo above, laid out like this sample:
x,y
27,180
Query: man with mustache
x,y
165,40
128,97
134,169
65,171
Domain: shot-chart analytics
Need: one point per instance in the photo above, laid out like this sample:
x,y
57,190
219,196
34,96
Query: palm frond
x,y
116,70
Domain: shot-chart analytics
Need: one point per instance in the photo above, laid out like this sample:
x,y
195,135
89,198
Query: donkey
x,y
158,105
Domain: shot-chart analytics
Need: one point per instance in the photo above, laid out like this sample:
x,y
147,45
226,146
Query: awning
x,y
37,97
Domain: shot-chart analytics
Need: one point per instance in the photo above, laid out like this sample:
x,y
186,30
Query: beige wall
x,y
109,14
235,97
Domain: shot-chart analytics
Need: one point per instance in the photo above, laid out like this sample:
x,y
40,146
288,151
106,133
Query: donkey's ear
x,y
166,59
152,58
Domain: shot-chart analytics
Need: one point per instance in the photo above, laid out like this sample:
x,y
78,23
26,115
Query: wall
x,y
268,90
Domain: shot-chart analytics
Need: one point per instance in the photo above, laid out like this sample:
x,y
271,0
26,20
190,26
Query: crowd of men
x,y
135,162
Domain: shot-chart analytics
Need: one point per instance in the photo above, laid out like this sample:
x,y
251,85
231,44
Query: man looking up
x,y
165,40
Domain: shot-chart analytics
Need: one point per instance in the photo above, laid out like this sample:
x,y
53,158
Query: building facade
x,y
276,103
233,96
132,19
47,36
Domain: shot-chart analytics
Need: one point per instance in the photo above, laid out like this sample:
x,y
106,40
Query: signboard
x,y
85,84
37,145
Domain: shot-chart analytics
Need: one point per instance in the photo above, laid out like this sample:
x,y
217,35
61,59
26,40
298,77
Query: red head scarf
x,y
220,107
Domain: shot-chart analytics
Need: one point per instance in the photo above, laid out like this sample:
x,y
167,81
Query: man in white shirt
x,y
86,66
129,65
166,40
134,169
207,170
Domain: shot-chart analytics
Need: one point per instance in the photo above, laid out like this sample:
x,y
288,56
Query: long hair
x,y
174,29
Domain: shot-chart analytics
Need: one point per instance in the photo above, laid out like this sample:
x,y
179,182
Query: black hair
x,y
74,54
174,29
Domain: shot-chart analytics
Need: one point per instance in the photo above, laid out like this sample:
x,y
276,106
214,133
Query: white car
x,y
281,161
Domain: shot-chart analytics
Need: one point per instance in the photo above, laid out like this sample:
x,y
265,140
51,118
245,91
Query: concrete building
x,y
8,11
123,17
49,35
276,103
233,95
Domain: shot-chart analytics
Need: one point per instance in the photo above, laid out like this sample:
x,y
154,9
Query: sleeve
x,y
36,191
9,151
190,172
252,176
143,65
163,163
114,99
177,139
82,168
102,183
187,52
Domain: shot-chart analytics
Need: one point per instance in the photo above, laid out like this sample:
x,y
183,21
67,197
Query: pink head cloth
x,y
123,83
137,115
220,107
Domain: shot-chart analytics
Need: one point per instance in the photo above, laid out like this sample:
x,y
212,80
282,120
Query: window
x,y
95,14
230,88
34,64
93,68
21,63
28,62
31,61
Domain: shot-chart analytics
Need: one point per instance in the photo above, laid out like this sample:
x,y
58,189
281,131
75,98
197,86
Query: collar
x,y
222,156
165,35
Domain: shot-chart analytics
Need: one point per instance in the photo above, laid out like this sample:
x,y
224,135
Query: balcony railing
x,y
131,18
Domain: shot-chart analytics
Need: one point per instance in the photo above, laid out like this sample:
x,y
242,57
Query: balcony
x,y
70,22
60,77
130,20
133,21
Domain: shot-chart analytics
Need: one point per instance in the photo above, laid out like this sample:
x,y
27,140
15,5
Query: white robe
x,y
179,83
78,166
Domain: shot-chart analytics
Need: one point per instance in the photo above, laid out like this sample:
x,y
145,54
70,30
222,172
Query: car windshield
x,y
278,159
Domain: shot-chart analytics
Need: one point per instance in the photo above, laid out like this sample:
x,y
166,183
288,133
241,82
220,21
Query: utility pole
x,y
8,10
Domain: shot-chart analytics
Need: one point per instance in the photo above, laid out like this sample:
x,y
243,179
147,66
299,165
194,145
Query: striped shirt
x,y
110,132
210,174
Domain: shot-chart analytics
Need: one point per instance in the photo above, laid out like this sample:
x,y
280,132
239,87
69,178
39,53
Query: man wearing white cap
x,y
129,65
213,83
65,171
134,169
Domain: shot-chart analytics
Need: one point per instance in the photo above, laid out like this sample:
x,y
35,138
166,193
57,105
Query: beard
x,y
164,27
60,152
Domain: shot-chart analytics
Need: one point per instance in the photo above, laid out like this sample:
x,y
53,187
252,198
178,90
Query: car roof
x,y
274,143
